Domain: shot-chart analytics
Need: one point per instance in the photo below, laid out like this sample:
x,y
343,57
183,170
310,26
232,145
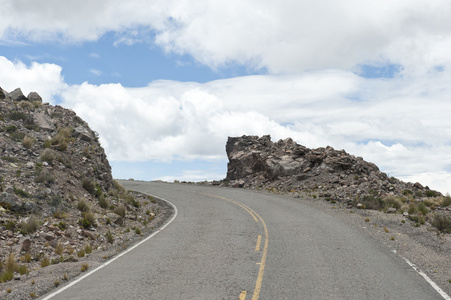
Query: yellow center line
x,y
243,295
261,271
259,240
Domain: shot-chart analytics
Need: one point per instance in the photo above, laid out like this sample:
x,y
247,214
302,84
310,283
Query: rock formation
x,y
57,194
256,162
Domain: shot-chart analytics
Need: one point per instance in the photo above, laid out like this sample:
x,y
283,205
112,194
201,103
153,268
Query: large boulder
x,y
34,97
17,95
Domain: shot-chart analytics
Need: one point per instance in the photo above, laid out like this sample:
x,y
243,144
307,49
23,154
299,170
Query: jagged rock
x,y
33,96
256,162
82,133
44,121
2,94
17,95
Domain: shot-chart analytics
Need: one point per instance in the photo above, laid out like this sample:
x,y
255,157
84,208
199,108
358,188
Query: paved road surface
x,y
238,244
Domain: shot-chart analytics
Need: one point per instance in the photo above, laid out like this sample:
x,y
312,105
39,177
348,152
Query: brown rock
x,y
26,245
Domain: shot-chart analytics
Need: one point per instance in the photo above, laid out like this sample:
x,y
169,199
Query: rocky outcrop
x,y
57,194
257,162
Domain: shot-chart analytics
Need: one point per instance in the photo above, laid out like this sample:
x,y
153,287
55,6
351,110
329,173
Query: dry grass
x,y
29,225
120,210
28,142
84,267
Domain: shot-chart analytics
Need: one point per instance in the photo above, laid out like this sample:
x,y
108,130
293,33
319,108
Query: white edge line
x,y
117,256
429,280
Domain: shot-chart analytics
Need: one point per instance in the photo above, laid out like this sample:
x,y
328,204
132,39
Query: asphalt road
x,y
239,244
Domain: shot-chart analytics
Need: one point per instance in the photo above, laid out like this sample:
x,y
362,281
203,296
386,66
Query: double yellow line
x,y
256,216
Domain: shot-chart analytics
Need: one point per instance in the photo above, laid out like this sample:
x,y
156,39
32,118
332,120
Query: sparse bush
x,y
446,201
430,193
84,267
21,193
109,237
33,295
88,220
29,225
17,115
88,248
22,270
422,208
81,253
372,202
9,268
45,262
137,230
28,142
103,202
26,258
442,223
59,248
48,156
393,202
10,159
88,185
44,177
120,210
83,205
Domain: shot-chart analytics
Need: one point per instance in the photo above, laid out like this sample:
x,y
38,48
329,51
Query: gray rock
x,y
33,96
44,121
82,133
2,94
10,201
17,95
391,210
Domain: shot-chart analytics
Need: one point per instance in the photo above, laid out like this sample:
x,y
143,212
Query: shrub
x,y
430,193
103,202
9,268
81,253
83,205
30,225
88,248
137,230
109,237
28,142
44,177
26,258
59,248
48,156
88,185
120,210
422,208
442,223
372,202
21,193
45,262
84,267
22,270
446,201
17,115
10,159
88,220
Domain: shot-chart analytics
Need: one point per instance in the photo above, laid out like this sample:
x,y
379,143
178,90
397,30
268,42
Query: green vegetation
x,y
442,223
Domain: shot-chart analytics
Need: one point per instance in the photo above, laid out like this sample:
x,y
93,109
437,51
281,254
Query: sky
x,y
165,83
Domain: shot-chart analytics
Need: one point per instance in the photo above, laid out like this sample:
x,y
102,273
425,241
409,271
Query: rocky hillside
x,y
256,162
58,200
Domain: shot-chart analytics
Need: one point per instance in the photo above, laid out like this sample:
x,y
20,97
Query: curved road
x,y
239,244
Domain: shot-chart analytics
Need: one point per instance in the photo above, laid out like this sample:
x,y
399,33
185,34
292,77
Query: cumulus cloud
x,y
43,78
293,37
403,127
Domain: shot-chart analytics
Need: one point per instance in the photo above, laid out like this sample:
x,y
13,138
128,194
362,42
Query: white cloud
x,y
96,72
282,37
45,79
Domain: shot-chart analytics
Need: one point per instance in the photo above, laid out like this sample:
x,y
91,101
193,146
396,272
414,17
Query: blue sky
x,y
166,82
